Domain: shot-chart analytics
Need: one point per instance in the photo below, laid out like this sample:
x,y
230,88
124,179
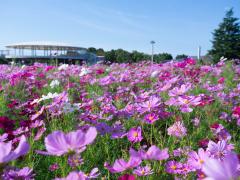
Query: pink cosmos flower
x,y
177,129
236,111
143,171
127,177
53,167
219,150
75,160
176,91
25,173
79,175
117,131
3,137
135,134
149,105
225,169
173,167
6,153
153,153
190,61
186,101
196,160
221,80
121,165
220,132
35,116
185,169
203,143
59,143
196,122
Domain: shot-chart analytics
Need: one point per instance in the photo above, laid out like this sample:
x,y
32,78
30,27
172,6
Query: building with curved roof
x,y
48,52
43,45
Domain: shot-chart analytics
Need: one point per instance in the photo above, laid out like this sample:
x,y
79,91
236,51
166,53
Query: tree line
x,y
122,56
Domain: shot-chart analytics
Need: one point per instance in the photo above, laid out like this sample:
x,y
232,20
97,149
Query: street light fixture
x,y
152,42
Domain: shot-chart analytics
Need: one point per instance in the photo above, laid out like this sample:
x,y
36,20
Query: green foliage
x,y
181,56
226,38
122,56
162,56
100,52
92,50
110,56
3,61
137,56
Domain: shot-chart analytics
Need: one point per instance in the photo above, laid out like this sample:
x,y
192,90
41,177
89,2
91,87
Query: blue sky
x,y
177,26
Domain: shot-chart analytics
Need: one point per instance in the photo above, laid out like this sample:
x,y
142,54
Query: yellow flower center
x,y
151,118
135,134
174,167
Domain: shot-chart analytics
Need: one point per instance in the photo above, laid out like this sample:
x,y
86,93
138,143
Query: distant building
x,y
47,52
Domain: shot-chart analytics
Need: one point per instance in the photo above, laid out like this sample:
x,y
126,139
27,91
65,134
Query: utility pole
x,y
199,52
152,42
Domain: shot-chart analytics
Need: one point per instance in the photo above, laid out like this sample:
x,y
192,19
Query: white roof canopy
x,y
40,45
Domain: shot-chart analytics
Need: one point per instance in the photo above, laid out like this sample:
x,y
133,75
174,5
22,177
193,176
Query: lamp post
x,y
199,52
152,42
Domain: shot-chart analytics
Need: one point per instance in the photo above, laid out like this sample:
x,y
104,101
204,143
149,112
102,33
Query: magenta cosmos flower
x,y
127,177
226,169
59,143
151,118
135,134
6,152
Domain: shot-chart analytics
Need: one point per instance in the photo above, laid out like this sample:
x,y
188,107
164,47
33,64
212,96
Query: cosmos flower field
x,y
177,120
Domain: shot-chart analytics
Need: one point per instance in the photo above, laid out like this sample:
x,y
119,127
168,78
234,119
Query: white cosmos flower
x,y
223,58
49,96
54,83
45,97
84,71
154,74
63,67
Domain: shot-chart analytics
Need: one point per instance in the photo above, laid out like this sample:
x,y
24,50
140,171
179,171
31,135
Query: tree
x,y
136,56
162,56
226,39
110,56
181,56
122,56
100,52
92,50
